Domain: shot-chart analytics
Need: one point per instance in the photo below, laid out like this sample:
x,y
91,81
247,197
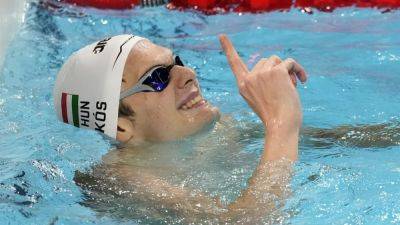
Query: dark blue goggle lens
x,y
159,78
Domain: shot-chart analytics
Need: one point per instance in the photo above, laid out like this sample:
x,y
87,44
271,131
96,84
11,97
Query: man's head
x,y
166,115
175,112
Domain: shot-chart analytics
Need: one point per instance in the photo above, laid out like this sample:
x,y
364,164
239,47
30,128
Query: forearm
x,y
280,143
267,190
270,180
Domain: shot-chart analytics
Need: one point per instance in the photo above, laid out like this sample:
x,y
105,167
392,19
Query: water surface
x,y
346,173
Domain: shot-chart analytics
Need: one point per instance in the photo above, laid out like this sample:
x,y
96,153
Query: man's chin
x,y
208,113
216,113
202,120
209,118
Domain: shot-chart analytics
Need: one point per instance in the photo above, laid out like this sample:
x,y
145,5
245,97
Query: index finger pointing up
x,y
237,65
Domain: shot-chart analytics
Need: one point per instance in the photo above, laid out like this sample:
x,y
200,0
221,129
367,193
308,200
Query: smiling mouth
x,y
193,103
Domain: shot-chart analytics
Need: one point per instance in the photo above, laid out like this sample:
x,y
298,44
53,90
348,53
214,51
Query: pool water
x,y
348,171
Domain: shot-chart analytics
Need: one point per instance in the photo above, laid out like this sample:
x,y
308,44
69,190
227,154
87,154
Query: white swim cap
x,y
87,88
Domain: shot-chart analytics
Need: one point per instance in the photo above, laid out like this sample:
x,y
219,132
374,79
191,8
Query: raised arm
x,y
270,90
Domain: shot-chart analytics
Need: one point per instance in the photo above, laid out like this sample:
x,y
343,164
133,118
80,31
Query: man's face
x,y
177,111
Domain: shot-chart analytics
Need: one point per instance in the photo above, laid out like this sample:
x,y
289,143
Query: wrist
x,y
283,126
281,142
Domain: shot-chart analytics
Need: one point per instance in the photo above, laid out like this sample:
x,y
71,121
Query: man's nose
x,y
182,76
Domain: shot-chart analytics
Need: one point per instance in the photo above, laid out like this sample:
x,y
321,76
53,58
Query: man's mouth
x,y
194,100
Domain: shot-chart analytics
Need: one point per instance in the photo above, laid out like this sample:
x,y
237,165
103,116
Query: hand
x,y
269,88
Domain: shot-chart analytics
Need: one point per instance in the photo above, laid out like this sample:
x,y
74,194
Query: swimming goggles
x,y
154,80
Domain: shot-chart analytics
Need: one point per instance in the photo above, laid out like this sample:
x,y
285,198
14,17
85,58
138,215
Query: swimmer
x,y
141,95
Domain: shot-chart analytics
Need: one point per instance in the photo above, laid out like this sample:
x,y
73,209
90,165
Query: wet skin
x,y
162,116
140,171
269,88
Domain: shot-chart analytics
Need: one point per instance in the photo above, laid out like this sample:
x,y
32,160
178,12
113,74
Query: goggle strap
x,y
135,89
139,87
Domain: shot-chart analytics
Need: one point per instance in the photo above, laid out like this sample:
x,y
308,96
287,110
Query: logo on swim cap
x,y
100,46
87,88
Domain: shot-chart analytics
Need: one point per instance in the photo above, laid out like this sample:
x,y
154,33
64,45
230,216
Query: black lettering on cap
x,y
100,46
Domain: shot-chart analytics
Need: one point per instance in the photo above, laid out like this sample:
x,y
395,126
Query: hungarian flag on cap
x,y
70,108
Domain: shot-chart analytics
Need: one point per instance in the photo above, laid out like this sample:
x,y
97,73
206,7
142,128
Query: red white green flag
x,y
70,108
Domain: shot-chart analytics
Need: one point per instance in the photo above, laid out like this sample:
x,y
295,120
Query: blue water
x,y
353,60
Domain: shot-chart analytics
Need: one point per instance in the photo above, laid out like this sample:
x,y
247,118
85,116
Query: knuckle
x,y
290,60
263,60
278,70
276,58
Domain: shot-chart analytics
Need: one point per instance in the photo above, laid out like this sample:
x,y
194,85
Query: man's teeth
x,y
192,102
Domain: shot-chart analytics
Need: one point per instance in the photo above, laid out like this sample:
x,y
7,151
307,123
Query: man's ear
x,y
125,130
